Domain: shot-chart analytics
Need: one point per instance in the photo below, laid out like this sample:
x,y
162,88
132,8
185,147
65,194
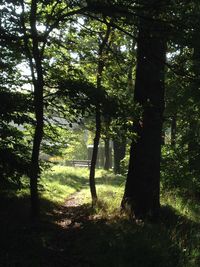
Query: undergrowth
x,y
100,236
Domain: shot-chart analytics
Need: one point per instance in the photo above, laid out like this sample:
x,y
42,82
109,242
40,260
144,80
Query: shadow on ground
x,y
73,236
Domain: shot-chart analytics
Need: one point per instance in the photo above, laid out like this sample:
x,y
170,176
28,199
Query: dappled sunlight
x,y
99,133
72,230
81,236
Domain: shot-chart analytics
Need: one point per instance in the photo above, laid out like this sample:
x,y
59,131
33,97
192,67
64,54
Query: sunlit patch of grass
x,y
60,182
56,192
57,184
109,200
84,172
184,206
185,227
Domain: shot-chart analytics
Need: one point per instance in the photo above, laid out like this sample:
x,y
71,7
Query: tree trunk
x,y
107,154
94,156
119,153
142,189
35,168
101,63
37,75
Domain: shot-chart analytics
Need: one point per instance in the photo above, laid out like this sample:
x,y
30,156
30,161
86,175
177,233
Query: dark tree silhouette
x,y
143,179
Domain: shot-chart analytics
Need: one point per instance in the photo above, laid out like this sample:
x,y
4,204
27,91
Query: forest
x,y
99,133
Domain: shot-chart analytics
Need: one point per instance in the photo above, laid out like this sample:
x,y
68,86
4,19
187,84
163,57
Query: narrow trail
x,y
75,212
76,227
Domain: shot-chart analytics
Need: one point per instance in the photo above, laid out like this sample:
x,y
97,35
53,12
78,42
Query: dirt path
x,y
74,212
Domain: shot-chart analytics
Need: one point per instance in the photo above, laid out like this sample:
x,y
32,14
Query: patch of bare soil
x,y
74,212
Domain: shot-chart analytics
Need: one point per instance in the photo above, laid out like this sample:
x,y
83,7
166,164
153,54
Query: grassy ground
x,y
71,233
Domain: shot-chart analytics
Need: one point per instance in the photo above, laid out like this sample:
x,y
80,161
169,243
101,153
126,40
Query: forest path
x,y
75,212
73,238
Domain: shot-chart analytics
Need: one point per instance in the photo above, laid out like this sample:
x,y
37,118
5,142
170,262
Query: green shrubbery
x,y
176,175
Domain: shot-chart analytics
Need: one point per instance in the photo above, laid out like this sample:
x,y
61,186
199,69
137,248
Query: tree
x,y
35,41
143,180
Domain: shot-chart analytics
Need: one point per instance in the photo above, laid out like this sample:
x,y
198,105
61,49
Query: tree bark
x,y
37,74
142,189
107,154
94,156
101,63
35,168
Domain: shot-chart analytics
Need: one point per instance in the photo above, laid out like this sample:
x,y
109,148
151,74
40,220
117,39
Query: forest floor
x,y
73,234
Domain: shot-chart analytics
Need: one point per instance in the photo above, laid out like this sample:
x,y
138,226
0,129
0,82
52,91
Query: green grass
x,y
84,236
181,227
185,225
60,182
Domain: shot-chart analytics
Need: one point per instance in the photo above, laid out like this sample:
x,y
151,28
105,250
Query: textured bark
x,y
119,153
142,187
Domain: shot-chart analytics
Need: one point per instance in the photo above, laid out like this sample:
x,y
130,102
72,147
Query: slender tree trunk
x,y
35,168
142,189
107,154
94,156
37,74
101,63
119,153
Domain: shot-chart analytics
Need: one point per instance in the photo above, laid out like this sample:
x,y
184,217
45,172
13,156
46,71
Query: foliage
x,y
15,107
67,35
175,174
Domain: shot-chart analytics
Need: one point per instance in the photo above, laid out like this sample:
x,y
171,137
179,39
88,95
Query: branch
x,y
114,25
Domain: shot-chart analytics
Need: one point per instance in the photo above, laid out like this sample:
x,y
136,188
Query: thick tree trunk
x,y
142,189
119,153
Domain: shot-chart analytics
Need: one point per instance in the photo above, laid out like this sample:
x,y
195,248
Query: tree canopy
x,y
129,71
